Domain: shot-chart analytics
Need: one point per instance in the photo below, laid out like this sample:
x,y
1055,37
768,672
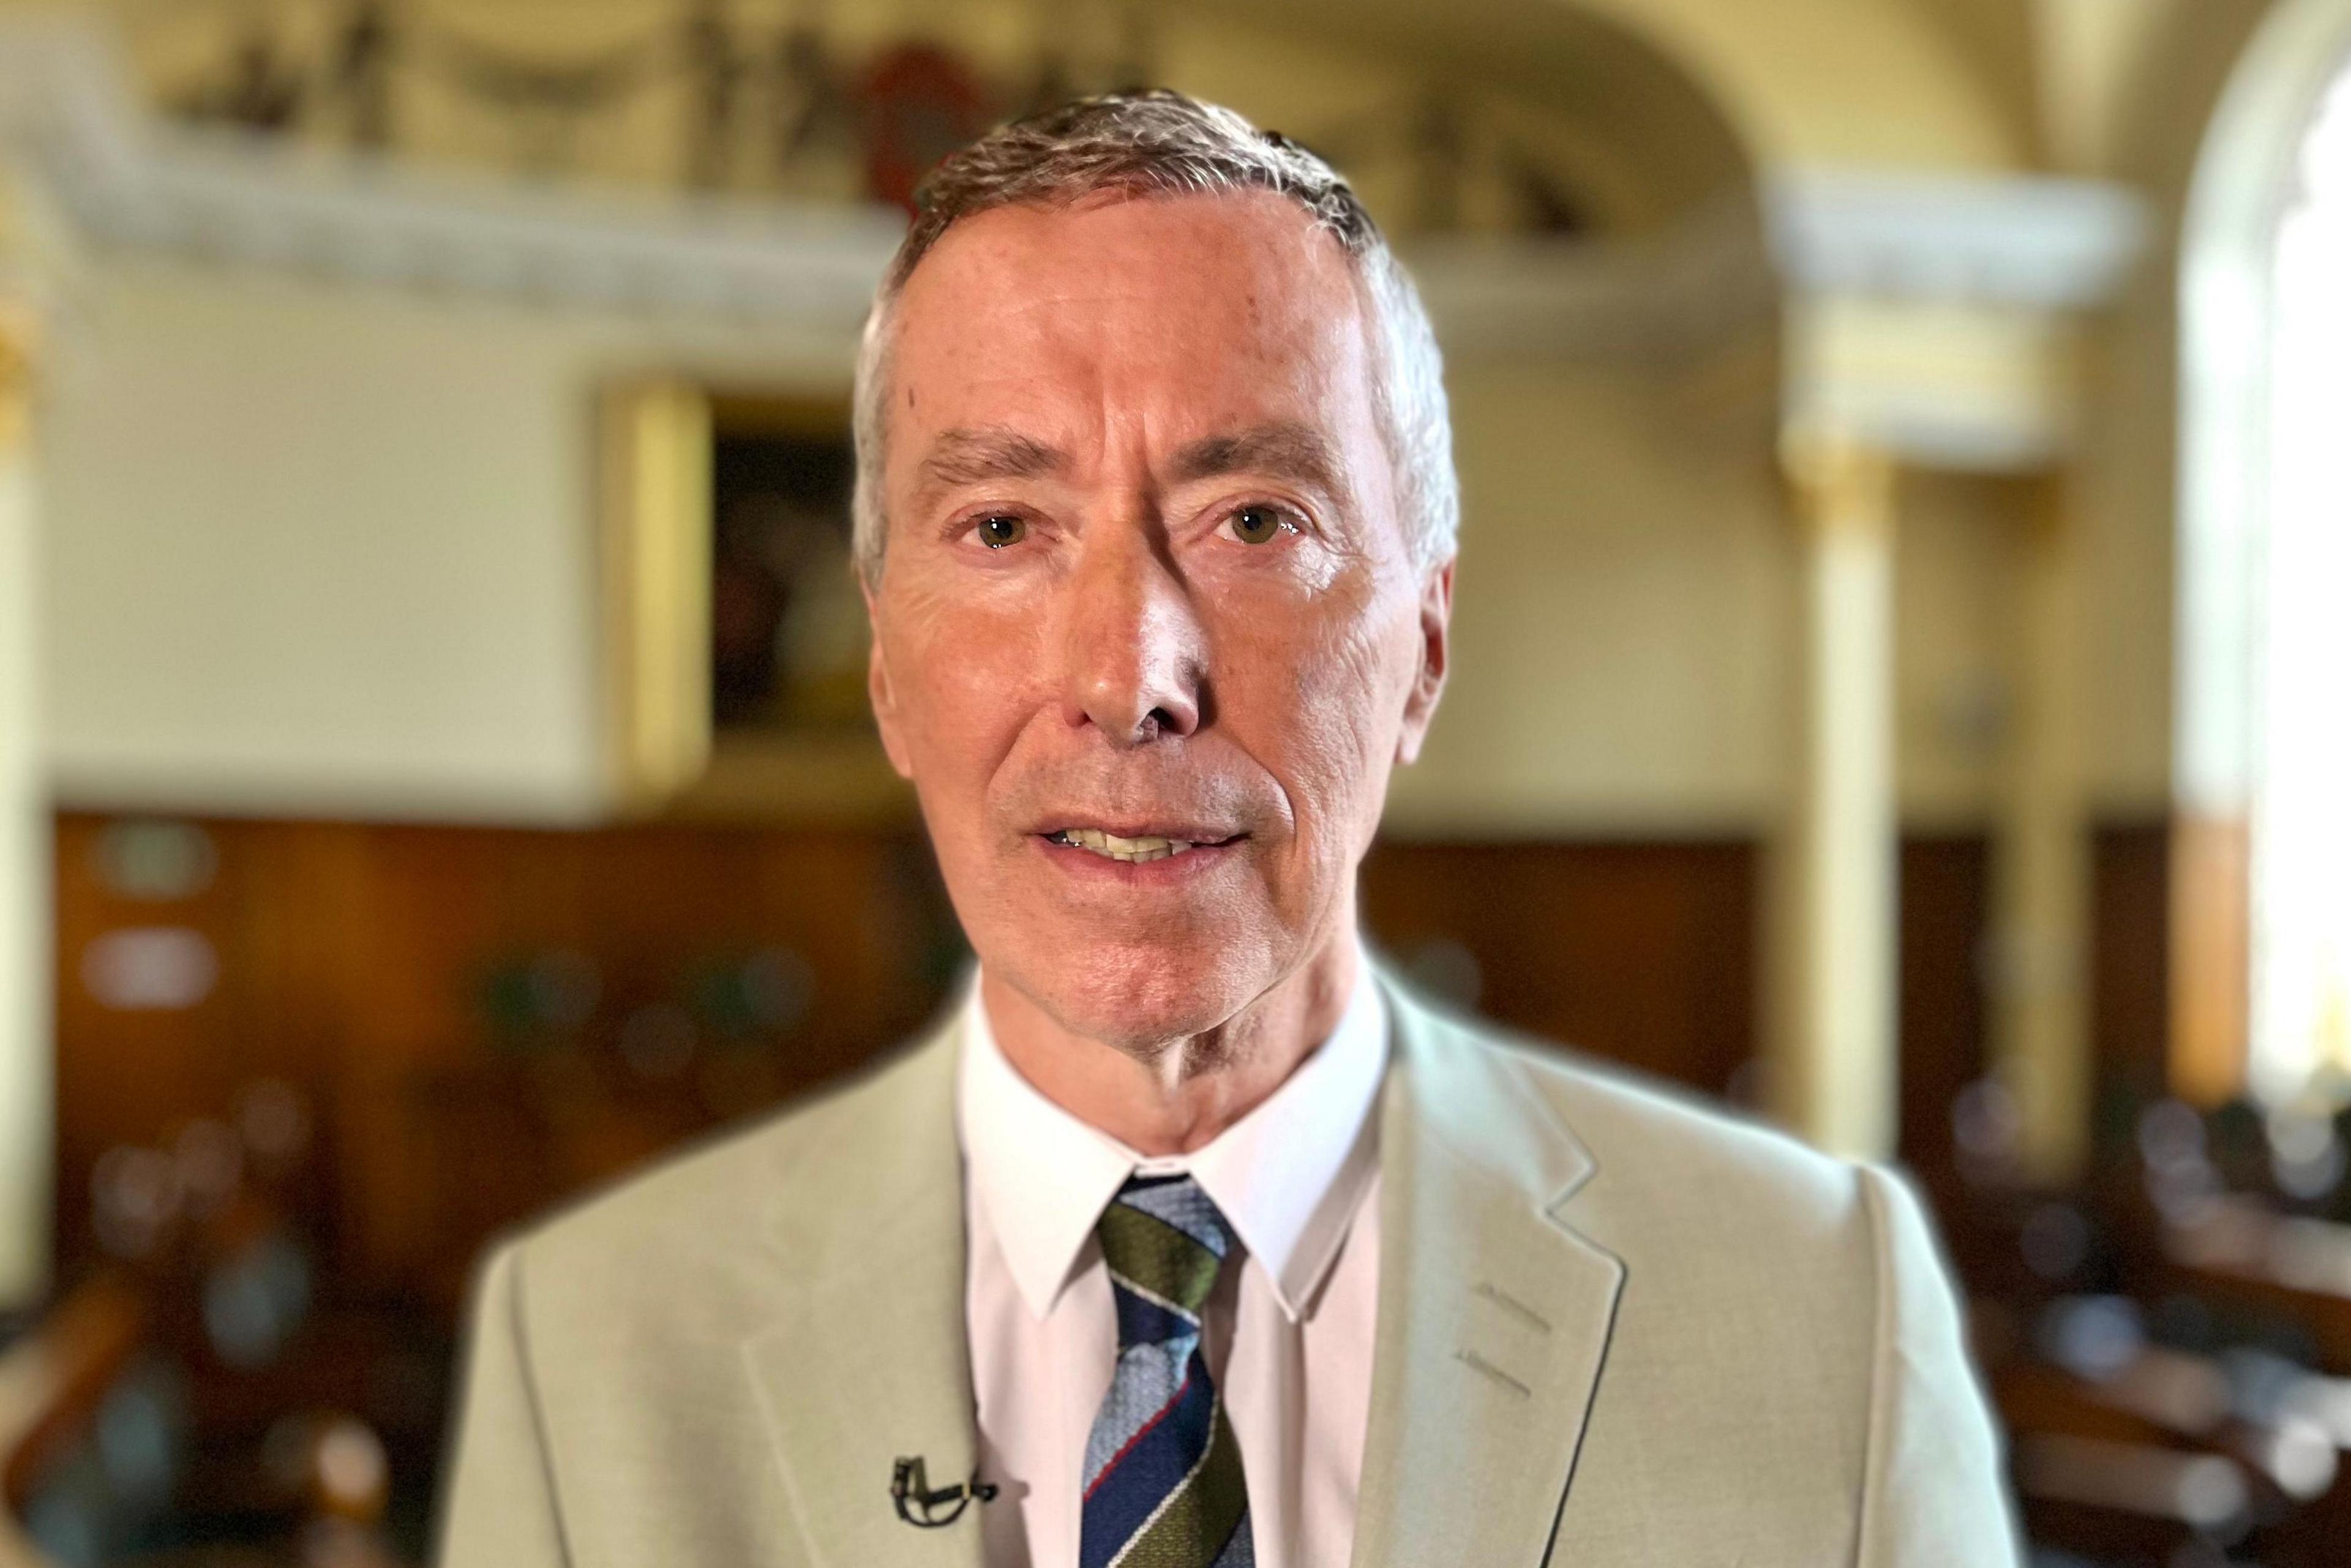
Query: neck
x,y
1178,1098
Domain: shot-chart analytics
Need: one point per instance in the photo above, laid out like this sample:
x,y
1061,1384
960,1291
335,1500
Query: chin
x,y
1138,997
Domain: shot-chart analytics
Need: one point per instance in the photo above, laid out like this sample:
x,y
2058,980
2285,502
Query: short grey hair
x,y
1156,142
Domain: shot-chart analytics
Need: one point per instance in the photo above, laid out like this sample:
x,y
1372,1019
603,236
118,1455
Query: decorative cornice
x,y
131,182
128,181
2018,240
1666,299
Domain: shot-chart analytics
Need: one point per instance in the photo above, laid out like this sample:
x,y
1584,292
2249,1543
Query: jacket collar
x,y
1494,1319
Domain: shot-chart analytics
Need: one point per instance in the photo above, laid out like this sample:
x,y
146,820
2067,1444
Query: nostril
x,y
1160,721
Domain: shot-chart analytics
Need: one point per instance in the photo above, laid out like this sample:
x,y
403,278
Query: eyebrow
x,y
1282,450
973,456
1286,450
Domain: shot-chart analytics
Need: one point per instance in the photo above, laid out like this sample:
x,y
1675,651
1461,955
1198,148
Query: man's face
x,y
1146,581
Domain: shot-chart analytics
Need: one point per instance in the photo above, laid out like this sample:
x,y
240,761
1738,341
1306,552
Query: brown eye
x,y
1000,531
1256,525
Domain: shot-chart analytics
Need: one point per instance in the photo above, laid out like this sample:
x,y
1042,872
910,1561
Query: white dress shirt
x,y
1287,1334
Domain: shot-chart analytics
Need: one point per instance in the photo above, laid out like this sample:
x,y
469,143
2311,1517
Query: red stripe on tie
x,y
1142,1432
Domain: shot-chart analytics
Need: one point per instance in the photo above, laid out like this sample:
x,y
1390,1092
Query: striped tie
x,y
1164,1484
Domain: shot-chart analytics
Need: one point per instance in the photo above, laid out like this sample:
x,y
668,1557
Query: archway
x,y
2261,762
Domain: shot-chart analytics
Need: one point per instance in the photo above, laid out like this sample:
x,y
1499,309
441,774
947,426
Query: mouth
x,y
1138,848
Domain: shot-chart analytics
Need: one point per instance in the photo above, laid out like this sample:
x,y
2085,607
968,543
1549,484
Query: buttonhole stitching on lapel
x,y
1476,1363
1513,1305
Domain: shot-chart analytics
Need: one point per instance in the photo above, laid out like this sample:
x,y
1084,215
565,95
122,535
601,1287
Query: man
x,y
1191,1239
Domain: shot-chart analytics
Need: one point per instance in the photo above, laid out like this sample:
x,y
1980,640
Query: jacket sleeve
x,y
1933,1492
498,1504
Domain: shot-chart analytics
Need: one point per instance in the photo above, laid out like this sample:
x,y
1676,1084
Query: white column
x,y
1835,1067
2041,880
26,1098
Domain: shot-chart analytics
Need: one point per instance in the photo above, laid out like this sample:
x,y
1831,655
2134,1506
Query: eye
x,y
1258,524
998,531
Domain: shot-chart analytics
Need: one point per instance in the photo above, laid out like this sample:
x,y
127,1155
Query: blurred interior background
x,y
1903,664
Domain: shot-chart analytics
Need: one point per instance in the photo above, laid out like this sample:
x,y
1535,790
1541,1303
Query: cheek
x,y
961,678
1331,703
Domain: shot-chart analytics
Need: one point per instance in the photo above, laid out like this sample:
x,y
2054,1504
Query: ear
x,y
1436,654
878,689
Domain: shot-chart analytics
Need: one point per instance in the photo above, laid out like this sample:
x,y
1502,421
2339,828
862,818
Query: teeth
x,y
1134,851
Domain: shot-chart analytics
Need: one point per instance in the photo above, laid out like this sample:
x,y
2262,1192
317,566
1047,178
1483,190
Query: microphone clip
x,y
912,1495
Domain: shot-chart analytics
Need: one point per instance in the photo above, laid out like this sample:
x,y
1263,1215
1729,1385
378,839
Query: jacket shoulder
x,y
1655,1130
609,1338
1672,1172
745,1190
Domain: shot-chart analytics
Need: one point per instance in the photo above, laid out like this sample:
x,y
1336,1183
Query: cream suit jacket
x,y
1615,1331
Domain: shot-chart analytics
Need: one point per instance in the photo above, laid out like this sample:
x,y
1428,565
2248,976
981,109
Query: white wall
x,y
1626,619
319,549
1623,613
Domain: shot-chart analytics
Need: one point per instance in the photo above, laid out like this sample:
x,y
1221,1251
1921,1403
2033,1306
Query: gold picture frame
x,y
668,756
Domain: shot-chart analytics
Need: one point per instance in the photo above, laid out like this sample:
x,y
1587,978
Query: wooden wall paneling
x,y
1945,908
356,961
138,1076
2131,993
466,1133
1945,913
1640,952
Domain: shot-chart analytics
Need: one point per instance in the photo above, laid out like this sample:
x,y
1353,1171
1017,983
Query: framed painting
x,y
736,636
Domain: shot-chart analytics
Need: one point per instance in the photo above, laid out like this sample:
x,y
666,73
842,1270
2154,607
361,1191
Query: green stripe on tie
x,y
1152,1254
1192,1530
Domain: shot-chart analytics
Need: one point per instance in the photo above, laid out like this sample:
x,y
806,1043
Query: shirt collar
x,y
1286,1177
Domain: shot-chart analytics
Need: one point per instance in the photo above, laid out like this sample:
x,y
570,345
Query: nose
x,y
1134,656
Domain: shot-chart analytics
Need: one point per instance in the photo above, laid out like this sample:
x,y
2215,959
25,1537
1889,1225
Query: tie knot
x,y
1164,1243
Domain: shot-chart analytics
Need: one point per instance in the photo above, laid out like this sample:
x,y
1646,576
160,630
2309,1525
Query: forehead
x,y
1191,313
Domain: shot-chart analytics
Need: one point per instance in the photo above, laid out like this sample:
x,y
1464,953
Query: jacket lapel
x,y
866,1360
1494,1315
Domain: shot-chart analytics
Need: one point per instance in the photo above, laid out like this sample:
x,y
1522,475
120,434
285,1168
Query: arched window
x,y
2264,750
2300,992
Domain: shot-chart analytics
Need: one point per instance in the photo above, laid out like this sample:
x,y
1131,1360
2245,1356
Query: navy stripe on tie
x,y
1142,1321
1158,1460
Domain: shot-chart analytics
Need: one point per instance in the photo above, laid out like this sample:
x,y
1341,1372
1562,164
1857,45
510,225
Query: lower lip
x,y
1168,871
